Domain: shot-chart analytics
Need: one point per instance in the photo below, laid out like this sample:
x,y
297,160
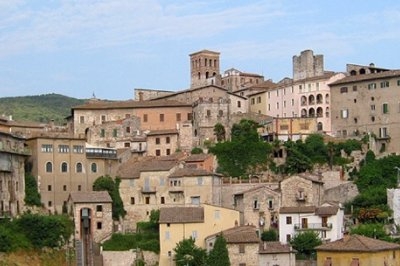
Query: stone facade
x,y
204,68
307,65
234,80
12,174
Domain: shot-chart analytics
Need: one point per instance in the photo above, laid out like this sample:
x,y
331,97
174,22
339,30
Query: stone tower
x,y
204,68
307,65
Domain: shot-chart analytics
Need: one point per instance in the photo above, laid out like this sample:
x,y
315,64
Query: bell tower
x,y
204,68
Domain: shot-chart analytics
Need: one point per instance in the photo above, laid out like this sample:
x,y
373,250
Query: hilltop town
x,y
159,148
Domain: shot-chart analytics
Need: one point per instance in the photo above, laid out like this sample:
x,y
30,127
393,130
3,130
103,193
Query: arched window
x,y
327,112
79,167
319,98
311,99
49,167
311,112
320,112
303,100
303,113
64,167
93,167
327,98
319,126
207,75
198,75
353,73
362,71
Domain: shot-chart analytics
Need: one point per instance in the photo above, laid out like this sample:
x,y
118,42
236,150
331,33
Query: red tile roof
x,y
90,197
239,235
133,167
186,172
300,209
366,77
274,247
181,215
101,105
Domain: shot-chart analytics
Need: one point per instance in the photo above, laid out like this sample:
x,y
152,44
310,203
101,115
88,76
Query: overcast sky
x,y
80,47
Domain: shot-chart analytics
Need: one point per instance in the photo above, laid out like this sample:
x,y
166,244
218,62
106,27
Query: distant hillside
x,y
40,108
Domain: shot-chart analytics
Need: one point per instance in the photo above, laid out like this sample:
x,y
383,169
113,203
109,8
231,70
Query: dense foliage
x,y
372,230
146,237
188,254
219,255
32,195
305,243
245,154
106,183
219,132
196,150
35,231
40,108
269,235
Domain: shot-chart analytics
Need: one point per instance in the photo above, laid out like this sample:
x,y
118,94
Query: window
x,y
64,167
384,84
189,116
217,214
288,238
167,235
385,108
383,132
79,167
256,204
355,262
49,203
239,104
81,119
199,181
344,113
115,132
99,225
220,113
168,152
49,188
65,188
371,86
93,167
145,118
289,220
63,148
259,99
102,133
161,117
208,113
372,107
178,117
147,200
47,148
99,208
195,200
158,152
354,87
167,140
252,101
194,234
49,167
157,141
77,149
343,90
242,248
79,187
133,200
103,118
162,200
270,204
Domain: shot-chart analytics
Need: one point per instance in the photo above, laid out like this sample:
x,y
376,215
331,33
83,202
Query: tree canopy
x,y
188,254
305,243
219,255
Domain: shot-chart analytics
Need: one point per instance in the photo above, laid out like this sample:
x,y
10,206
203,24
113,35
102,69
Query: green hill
x,y
39,108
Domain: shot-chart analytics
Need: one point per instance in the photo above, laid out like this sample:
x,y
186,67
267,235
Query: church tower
x,y
204,68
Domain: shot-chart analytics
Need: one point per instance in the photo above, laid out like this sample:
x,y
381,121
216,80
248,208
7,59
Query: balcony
x,y
313,226
149,190
101,153
175,189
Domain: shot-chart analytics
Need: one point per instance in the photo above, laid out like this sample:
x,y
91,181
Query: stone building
x,y
258,207
367,104
63,165
13,154
204,68
201,161
234,80
242,243
276,253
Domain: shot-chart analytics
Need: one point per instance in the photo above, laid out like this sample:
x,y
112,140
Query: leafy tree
x,y
305,244
219,132
296,162
372,230
315,149
245,153
106,183
269,235
197,150
219,255
32,195
187,253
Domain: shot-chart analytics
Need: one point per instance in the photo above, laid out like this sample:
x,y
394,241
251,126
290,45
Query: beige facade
x,y
13,154
275,253
178,223
162,142
64,165
234,80
368,104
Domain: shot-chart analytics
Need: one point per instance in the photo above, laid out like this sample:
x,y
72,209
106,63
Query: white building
x,y
326,220
393,200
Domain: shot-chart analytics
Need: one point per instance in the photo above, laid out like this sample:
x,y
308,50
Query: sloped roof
x,y
261,187
300,209
366,77
182,172
358,243
128,104
197,157
181,215
326,210
162,132
239,235
90,197
132,168
273,247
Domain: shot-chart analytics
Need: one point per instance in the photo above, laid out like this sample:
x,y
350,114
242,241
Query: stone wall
x,y
127,258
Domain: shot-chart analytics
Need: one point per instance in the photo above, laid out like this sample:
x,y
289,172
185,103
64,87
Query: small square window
x,y
99,225
99,208
132,200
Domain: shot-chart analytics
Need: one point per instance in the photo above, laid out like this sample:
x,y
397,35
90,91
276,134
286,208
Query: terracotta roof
x,y
205,51
313,178
299,209
326,210
162,132
262,187
197,157
366,77
128,104
274,247
181,215
358,243
239,234
188,90
90,197
132,168
182,172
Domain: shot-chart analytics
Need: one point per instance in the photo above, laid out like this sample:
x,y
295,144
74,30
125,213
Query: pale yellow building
x,y
357,250
178,223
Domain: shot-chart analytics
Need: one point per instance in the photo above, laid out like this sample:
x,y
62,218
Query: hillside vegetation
x,y
39,108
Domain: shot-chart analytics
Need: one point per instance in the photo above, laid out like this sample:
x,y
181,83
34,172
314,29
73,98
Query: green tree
x,y
106,183
32,195
219,132
219,255
188,254
372,230
269,235
197,150
246,153
305,244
